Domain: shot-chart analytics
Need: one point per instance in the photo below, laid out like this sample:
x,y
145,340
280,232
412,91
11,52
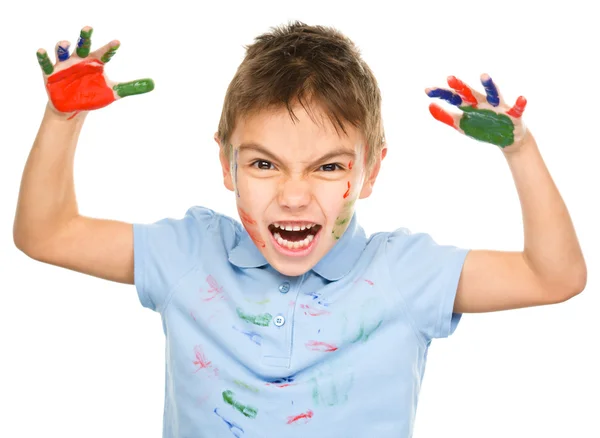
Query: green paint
x,y
45,63
342,221
263,319
332,388
248,411
488,126
86,38
134,87
259,302
245,386
365,332
108,55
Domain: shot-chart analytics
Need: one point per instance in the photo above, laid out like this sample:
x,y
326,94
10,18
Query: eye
x,y
263,165
331,167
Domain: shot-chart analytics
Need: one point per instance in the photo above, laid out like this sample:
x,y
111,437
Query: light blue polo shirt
x,y
337,352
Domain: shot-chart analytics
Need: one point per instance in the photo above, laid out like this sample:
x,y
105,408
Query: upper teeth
x,y
293,227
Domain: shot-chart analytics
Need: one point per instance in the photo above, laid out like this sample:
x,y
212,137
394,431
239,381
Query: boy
x,y
295,323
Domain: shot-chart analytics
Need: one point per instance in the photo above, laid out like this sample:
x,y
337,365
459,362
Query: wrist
x,y
53,115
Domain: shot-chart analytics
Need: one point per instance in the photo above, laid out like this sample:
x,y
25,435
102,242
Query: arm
x,y
550,268
47,225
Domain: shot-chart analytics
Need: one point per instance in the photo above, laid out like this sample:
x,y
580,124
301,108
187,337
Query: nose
x,y
294,194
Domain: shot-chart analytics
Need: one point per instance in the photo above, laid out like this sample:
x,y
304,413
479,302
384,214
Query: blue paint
x,y
232,426
447,95
316,296
319,331
235,167
63,54
491,91
81,41
253,336
283,380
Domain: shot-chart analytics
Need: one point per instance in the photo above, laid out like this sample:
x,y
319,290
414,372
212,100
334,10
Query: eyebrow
x,y
340,151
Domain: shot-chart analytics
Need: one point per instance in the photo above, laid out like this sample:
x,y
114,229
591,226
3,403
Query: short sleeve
x,y
165,251
427,276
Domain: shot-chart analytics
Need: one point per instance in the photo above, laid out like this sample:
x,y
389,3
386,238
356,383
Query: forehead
x,y
304,136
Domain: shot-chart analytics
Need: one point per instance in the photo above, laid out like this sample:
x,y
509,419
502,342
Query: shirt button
x,y
279,320
284,287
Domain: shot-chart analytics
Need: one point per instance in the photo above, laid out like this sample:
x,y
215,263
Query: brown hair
x,y
298,63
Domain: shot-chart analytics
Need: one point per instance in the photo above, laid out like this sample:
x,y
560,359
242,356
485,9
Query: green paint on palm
x,y
45,63
85,42
262,319
108,55
488,126
134,87
248,411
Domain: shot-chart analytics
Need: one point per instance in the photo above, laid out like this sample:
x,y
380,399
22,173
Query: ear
x,y
225,165
367,187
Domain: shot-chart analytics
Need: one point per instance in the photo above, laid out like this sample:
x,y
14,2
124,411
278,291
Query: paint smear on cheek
x,y
350,164
250,225
347,191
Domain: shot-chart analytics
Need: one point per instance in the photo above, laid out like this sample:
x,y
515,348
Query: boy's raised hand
x,y
77,82
486,117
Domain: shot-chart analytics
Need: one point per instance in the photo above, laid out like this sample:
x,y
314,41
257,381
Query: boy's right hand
x,y
77,83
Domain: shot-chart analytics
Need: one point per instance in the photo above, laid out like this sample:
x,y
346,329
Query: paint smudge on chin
x,y
320,346
304,416
250,225
347,191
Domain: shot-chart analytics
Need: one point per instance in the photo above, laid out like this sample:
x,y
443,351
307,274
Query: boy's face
x,y
296,184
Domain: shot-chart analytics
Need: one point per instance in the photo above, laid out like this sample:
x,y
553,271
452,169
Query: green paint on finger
x,y
134,87
84,43
108,55
45,63
488,126
248,411
263,319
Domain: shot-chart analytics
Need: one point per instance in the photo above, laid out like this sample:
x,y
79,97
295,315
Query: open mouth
x,y
294,236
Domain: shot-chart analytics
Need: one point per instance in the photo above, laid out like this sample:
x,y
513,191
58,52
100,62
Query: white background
x,y
82,358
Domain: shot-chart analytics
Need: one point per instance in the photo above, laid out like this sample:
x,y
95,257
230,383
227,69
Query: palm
x,y
486,117
77,83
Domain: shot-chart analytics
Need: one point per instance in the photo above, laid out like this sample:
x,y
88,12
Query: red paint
x,y
369,281
350,165
200,361
308,310
320,346
347,191
517,110
192,315
249,223
305,416
215,290
463,90
81,87
440,114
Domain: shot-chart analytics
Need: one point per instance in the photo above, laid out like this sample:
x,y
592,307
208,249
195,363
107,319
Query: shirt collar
x,y
334,265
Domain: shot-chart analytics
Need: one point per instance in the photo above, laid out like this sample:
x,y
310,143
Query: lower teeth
x,y
293,245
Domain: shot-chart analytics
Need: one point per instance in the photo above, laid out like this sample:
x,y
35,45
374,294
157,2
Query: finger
x,y
84,42
44,61
62,51
140,86
517,110
444,116
444,94
106,52
493,97
464,91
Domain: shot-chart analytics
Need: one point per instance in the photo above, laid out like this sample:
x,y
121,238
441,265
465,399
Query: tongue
x,y
294,236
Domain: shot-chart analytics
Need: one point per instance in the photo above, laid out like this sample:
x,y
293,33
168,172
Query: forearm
x,y
47,194
551,246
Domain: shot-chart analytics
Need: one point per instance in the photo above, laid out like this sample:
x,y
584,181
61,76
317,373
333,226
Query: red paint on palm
x,y
440,114
81,87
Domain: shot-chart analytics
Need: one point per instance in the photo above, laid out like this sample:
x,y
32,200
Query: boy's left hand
x,y
485,118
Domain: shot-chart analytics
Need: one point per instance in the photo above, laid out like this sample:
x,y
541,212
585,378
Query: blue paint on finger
x,y
62,53
491,91
446,95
